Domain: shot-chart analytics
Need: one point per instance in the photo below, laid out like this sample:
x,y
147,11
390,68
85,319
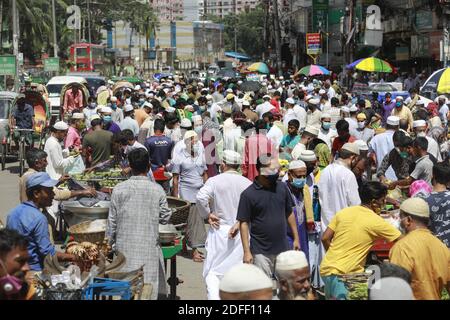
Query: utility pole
x,y
89,20
55,41
15,39
266,18
235,23
1,26
277,36
352,11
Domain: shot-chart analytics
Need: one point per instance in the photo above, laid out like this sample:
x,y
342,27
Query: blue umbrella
x,y
353,64
237,55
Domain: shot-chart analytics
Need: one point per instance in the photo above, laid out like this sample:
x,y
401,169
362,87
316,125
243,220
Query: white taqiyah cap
x,y
147,104
393,121
245,103
307,156
94,117
325,116
315,102
128,108
345,109
420,102
137,88
78,116
189,134
239,82
416,207
189,108
297,164
352,147
113,99
399,98
267,97
229,90
321,92
105,110
290,101
171,109
166,90
354,108
244,278
313,130
291,260
185,123
419,123
61,125
209,97
231,157
362,145
391,288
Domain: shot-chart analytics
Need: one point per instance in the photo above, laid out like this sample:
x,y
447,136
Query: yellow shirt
x,y
404,114
428,260
355,230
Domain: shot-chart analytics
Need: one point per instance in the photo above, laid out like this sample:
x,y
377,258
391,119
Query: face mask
x,y
107,119
421,134
361,125
92,105
203,108
198,130
398,105
10,284
326,126
114,106
298,183
195,148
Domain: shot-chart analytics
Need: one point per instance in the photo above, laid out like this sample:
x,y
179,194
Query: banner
x,y
320,15
313,44
7,65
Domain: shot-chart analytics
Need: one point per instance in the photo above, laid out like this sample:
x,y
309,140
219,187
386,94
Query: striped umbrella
x,y
438,82
313,70
260,67
374,65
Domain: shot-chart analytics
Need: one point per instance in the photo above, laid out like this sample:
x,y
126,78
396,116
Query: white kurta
x,y
56,162
433,149
327,137
300,113
298,150
381,145
263,108
220,195
276,136
338,189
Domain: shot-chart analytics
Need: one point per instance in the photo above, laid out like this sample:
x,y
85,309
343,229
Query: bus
x,y
88,57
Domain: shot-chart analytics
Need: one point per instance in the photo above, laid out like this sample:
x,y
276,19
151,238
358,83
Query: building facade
x,y
168,10
223,8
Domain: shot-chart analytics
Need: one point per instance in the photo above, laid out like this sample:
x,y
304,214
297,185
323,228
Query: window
x,y
82,52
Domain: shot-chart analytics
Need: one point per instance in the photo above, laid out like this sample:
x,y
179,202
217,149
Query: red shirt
x,y
338,144
254,147
276,104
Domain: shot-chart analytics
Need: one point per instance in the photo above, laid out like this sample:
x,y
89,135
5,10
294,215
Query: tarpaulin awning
x,y
237,55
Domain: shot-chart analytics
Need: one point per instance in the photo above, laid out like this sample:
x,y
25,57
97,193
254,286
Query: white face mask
x,y
361,125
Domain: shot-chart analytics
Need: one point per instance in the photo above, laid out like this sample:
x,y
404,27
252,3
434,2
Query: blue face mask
x,y
298,183
107,119
326,125
398,104
114,106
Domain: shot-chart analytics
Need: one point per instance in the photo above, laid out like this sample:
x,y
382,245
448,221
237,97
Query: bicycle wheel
x,y
21,157
3,153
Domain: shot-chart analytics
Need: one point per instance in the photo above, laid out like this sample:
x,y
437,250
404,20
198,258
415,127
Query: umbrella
x,y
250,86
353,64
260,67
227,73
438,82
313,70
373,65
238,56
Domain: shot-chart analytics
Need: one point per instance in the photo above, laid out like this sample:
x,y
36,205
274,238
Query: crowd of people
x,y
292,180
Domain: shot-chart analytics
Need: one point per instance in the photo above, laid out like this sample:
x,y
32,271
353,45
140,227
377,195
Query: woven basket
x,y
80,235
181,213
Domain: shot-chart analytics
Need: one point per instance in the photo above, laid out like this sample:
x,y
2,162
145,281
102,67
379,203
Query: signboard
x,y
320,15
252,77
51,64
419,46
424,20
313,44
401,53
7,65
20,59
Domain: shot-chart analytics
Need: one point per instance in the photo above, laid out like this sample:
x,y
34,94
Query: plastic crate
x,y
108,289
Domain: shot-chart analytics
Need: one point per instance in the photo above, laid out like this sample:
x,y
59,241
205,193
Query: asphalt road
x,y
188,271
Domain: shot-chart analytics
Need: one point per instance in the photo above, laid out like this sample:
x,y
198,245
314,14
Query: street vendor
x,y
73,101
350,235
28,220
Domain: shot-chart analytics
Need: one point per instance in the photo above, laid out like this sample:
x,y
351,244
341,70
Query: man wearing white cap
x,y
307,137
57,164
117,113
293,276
265,107
108,123
420,129
338,186
245,282
402,112
73,138
313,114
129,122
420,252
326,133
218,203
383,143
443,109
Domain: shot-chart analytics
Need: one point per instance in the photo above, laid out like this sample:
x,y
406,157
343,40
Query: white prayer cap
x,y
420,102
442,97
322,92
290,101
281,78
77,116
325,116
166,90
61,125
200,84
171,109
269,87
307,156
137,88
416,207
189,134
196,118
419,123
185,123
315,102
244,278
352,147
209,97
229,90
231,157
399,98
291,260
189,108
94,117
240,82
345,109
110,82
264,84
297,164
128,108
312,130
391,288
267,97
113,99
105,110
362,145
354,108
393,121
245,103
